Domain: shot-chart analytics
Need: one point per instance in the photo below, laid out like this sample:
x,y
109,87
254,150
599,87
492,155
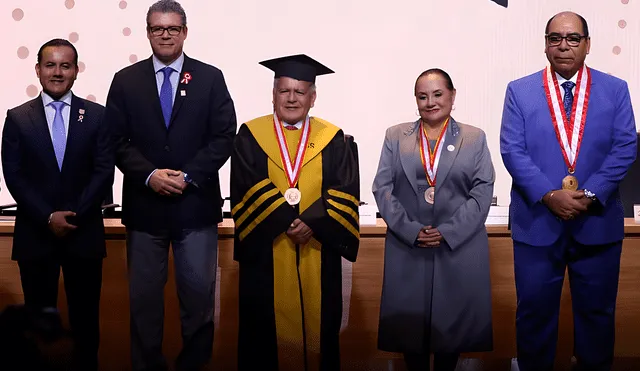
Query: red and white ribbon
x,y
568,131
186,77
292,170
430,158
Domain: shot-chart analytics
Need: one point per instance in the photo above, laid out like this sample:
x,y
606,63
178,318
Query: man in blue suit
x,y
568,138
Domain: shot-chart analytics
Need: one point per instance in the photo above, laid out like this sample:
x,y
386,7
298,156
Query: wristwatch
x,y
590,195
187,178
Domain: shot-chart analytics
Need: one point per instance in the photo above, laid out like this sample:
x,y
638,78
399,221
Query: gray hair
x,y
167,6
312,87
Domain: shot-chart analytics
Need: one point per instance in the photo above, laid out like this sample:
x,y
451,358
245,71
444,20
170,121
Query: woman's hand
x,y
429,237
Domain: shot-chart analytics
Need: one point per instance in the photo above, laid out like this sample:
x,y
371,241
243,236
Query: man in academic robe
x,y
294,197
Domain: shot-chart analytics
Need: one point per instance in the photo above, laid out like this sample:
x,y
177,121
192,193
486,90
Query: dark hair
x,y
167,6
585,27
436,71
58,42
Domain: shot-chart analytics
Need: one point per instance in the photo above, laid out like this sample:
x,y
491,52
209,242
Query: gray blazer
x,y
435,298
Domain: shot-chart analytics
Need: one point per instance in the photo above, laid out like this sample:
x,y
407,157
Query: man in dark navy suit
x,y
174,123
568,138
58,164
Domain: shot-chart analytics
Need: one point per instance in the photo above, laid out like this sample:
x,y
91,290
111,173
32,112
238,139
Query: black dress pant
x,y
82,284
441,361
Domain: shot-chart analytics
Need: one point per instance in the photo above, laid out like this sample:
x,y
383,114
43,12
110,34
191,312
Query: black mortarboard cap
x,y
299,67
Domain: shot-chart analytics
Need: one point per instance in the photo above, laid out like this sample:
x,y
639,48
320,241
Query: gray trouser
x,y
195,258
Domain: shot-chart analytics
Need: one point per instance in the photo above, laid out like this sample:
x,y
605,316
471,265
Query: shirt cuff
x,y
146,182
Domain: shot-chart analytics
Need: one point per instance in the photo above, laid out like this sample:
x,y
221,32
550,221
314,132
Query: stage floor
x,y
359,336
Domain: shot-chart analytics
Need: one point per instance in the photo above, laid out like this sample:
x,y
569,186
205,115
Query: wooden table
x,y
358,340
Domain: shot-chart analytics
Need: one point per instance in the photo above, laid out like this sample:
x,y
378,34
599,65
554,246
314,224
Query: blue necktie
x,y
166,95
568,97
58,135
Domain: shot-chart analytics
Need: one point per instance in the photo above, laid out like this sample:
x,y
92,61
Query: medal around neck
x,y
569,131
430,158
292,195
291,166
430,195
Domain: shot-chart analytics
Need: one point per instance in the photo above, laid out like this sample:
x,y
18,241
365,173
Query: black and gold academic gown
x,y
291,295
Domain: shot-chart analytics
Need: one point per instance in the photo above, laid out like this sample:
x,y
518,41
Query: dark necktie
x,y
166,95
568,97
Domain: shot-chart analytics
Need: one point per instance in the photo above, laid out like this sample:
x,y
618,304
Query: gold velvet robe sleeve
x,y
334,216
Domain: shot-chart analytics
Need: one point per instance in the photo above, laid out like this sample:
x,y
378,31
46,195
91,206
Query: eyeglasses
x,y
573,39
159,31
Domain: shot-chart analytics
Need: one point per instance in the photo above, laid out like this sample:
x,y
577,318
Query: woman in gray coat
x,y
433,188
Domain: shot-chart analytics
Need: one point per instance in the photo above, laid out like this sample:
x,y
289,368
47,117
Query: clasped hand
x,y
429,237
567,204
299,232
59,225
167,182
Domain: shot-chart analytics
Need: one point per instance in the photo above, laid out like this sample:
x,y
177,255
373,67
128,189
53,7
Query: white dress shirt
x,y
50,111
561,81
175,76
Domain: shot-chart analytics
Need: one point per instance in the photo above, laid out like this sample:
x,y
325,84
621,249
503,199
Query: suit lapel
x,y
183,84
409,152
150,89
77,110
452,144
41,129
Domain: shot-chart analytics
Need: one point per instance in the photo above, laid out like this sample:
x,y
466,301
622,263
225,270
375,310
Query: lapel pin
x,y
186,77
81,111
183,93
80,118
450,148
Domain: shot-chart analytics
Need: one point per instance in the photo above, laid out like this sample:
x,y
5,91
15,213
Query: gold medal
x,y
570,182
430,195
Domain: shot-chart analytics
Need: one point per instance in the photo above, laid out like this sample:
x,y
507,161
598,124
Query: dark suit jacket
x,y
198,142
40,188
629,192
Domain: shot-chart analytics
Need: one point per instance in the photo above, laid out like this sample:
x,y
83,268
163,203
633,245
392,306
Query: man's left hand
x,y
299,232
180,177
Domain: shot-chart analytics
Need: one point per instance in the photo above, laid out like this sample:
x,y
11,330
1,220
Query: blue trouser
x,y
593,278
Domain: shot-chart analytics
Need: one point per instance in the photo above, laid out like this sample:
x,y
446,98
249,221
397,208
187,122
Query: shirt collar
x,y
561,80
176,65
298,124
46,98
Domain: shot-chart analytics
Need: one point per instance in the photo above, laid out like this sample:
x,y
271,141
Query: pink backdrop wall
x,y
376,48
